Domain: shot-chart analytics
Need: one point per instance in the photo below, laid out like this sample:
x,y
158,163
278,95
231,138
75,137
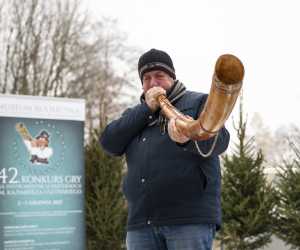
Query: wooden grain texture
x,y
226,84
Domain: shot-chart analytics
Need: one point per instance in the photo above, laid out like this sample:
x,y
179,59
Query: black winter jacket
x,y
163,185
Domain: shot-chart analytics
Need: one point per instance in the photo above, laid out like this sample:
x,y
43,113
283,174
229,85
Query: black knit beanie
x,y
156,60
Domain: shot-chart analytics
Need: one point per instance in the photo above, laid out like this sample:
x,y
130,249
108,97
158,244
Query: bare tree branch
x,y
50,48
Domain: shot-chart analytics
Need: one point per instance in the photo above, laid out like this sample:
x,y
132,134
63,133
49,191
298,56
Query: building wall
x,y
276,244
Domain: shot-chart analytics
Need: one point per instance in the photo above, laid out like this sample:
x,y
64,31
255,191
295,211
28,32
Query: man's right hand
x,y
151,97
33,143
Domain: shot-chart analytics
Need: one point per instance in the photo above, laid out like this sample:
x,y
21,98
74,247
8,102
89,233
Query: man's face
x,y
41,142
157,78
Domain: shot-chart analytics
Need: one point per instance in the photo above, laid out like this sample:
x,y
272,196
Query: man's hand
x,y
174,133
151,97
33,143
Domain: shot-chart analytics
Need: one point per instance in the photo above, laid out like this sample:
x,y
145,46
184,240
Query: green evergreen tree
x,y
287,222
247,198
105,204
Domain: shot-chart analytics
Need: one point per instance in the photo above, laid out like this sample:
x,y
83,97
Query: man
x,y
173,192
39,149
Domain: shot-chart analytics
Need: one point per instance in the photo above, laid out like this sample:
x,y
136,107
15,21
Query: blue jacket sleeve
x,y
120,132
205,146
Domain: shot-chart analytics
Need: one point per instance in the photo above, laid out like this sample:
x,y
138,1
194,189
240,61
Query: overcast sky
x,y
263,34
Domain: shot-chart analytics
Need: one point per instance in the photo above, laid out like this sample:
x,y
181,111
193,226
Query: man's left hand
x,y
174,133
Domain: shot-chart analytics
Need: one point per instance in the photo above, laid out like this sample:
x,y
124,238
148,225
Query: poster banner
x,y
42,205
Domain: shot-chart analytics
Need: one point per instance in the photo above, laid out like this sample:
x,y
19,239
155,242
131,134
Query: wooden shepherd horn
x,y
226,85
